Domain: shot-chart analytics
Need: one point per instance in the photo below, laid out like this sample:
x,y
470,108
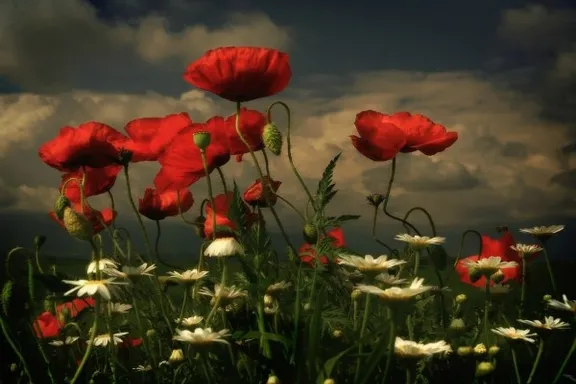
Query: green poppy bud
x,y
272,138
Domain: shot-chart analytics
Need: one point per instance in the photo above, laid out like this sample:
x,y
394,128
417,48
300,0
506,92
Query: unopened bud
x,y
273,380
547,297
61,318
307,307
176,356
124,157
13,367
310,233
356,294
493,350
202,140
268,300
49,306
337,333
272,138
461,298
60,204
484,368
464,351
329,381
498,277
77,225
151,333
480,349
39,241
375,199
457,325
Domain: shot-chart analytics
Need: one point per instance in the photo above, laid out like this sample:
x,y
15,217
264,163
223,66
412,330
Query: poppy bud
x,y
151,333
484,368
475,274
457,325
202,140
199,226
49,306
272,138
77,225
310,233
498,277
61,203
39,241
375,199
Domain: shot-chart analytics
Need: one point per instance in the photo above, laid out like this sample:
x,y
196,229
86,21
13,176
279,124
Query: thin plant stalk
x,y
565,362
537,361
157,247
486,307
223,179
374,221
12,344
515,362
391,342
90,343
549,266
212,204
362,331
523,286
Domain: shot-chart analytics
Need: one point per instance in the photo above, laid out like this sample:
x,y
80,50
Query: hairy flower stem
x,y
537,361
112,347
523,287
157,247
565,362
362,331
461,249
549,266
14,347
37,258
391,343
261,175
183,308
374,221
212,204
144,336
90,342
516,369
486,308
218,295
223,180
417,255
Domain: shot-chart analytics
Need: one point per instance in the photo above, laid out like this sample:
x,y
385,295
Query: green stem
x,y
416,262
223,179
387,200
144,335
212,204
289,145
218,296
181,213
183,308
266,162
425,212
112,206
516,369
112,348
291,206
374,221
15,348
37,257
362,331
261,174
461,249
565,362
486,307
549,267
157,247
523,287
537,361
391,343
90,342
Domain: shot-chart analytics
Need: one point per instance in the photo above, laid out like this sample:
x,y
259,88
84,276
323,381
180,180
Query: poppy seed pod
x,y
61,203
202,140
310,233
272,138
77,225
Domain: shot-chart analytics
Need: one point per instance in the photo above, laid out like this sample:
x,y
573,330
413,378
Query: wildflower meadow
x,y
318,312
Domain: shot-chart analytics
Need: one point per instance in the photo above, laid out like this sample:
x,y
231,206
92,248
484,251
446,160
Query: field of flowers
x,y
244,313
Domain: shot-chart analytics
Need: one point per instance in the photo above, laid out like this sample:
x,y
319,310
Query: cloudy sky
x,y
500,73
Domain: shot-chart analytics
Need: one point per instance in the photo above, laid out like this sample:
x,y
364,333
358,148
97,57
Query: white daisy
x,y
515,334
104,339
201,336
59,343
543,230
277,287
390,279
566,305
420,241
396,293
90,287
413,350
490,265
143,368
549,323
526,249
119,308
129,271
225,293
190,321
187,277
224,247
368,263
101,265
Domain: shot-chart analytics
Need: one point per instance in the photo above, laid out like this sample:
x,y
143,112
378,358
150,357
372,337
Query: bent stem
x,y
549,266
157,247
565,362
537,361
223,179
374,221
486,307
391,343
515,362
459,256
12,344
218,295
523,287
90,342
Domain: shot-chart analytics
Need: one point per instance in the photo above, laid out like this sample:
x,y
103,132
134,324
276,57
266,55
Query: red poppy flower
x,y
308,254
92,144
240,73
257,195
422,134
222,204
76,306
97,181
182,161
158,206
47,325
96,217
131,342
251,124
380,139
150,136
492,247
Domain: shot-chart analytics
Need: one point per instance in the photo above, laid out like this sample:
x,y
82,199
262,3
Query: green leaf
x,y
438,257
326,192
237,210
240,335
331,363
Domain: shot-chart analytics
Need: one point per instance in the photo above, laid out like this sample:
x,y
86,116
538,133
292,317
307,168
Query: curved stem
x,y
223,179
8,258
362,331
288,203
425,212
112,206
537,361
37,258
181,213
157,247
218,295
565,362
289,145
516,369
261,174
462,239
266,162
374,221
549,267
12,344
391,343
387,200
90,342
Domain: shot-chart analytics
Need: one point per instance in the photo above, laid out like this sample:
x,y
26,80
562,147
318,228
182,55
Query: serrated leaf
x,y
331,363
237,209
325,192
438,256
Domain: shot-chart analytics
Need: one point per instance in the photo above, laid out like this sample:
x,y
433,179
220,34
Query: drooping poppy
x,y
150,136
182,161
251,124
92,144
492,247
96,217
380,139
422,134
308,254
222,205
240,73
158,206
258,195
96,181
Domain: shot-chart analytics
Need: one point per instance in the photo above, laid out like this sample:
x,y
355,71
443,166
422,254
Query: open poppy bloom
x,y
158,206
96,182
422,134
240,73
182,160
150,136
251,124
92,144
308,254
258,195
492,247
95,217
47,325
222,204
380,139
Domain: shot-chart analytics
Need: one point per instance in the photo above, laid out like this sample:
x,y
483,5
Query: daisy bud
x,y
176,356
474,274
547,298
307,307
61,203
461,298
356,294
498,277
268,300
464,351
202,140
493,350
151,333
337,333
13,367
77,225
375,199
272,138
480,349
457,325
273,380
310,233
49,306
329,381
484,368
39,241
